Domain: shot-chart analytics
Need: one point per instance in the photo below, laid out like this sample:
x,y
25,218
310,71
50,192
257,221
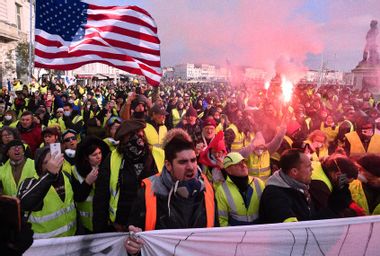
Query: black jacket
x,y
129,184
279,202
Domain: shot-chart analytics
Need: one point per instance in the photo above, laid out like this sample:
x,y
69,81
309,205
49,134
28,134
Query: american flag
x,y
71,33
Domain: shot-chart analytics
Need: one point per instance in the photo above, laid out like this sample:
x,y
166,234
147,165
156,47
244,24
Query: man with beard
x,y
135,107
192,124
120,177
179,197
362,141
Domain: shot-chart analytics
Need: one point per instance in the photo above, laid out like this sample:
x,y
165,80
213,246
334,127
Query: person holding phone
x,y
329,185
49,199
90,154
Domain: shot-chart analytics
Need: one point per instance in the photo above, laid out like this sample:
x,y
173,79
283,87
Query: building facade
x,y
14,27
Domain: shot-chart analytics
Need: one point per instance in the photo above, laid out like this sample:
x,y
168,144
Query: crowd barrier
x,y
349,236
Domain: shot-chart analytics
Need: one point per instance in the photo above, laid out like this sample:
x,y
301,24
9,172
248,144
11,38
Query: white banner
x,y
350,236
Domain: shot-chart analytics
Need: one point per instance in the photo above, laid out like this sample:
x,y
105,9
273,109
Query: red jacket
x,y
31,136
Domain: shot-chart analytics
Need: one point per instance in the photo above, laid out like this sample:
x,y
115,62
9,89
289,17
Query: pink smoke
x,y
262,34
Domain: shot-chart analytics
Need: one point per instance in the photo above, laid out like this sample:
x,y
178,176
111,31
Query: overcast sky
x,y
262,33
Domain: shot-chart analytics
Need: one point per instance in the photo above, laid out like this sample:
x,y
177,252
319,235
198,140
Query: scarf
x,y
304,189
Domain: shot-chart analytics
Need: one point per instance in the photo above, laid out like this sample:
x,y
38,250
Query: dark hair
x,y
177,144
290,159
371,163
335,163
67,104
11,130
85,148
27,113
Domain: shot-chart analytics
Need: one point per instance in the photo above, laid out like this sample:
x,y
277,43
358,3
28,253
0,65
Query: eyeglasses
x,y
70,139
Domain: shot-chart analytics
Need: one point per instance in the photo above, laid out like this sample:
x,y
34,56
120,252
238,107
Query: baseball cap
x,y
232,159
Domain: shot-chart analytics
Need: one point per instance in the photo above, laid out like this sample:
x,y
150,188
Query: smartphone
x,y
10,212
55,149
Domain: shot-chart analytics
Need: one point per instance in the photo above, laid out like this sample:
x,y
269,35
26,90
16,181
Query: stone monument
x,y
367,72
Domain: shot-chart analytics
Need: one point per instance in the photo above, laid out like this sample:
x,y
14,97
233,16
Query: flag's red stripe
x,y
124,18
77,65
79,53
124,45
47,42
127,32
132,7
89,40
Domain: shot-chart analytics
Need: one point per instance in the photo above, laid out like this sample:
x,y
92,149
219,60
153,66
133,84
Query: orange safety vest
x,y
151,203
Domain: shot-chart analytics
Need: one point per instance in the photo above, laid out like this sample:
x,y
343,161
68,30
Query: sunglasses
x,y
70,139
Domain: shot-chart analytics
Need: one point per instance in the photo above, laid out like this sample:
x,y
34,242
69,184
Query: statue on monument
x,y
370,53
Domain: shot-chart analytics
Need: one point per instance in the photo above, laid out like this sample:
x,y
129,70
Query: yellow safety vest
x,y
323,151
10,187
276,155
110,145
319,174
176,116
357,147
329,131
115,165
154,138
231,208
67,167
77,119
259,166
238,143
57,122
57,218
359,197
43,89
85,208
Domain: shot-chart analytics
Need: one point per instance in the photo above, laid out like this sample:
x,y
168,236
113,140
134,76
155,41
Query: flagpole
x,y
30,41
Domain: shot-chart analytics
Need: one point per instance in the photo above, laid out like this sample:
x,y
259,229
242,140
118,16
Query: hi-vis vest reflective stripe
x,y
259,166
151,202
319,174
359,197
239,138
115,165
154,138
85,208
10,187
176,116
228,196
357,148
57,218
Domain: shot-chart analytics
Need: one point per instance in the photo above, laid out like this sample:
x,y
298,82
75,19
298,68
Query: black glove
x,y
339,199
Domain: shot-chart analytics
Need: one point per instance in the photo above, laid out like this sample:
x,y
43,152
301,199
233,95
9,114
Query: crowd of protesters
x,y
315,157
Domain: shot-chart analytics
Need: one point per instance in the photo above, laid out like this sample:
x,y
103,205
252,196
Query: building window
x,y
18,15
